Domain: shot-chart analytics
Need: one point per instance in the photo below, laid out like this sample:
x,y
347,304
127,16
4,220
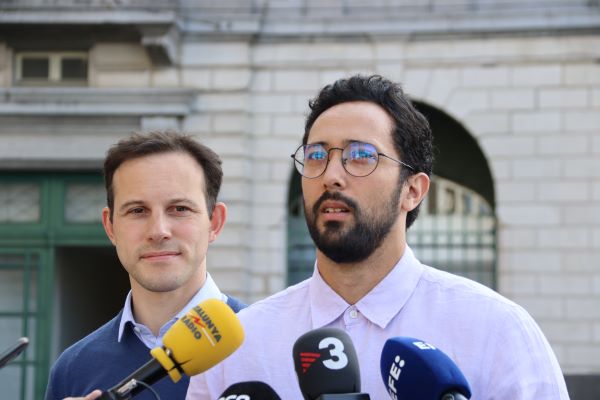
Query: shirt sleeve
x,y
521,364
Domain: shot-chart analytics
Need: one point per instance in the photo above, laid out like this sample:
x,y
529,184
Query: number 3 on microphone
x,y
338,358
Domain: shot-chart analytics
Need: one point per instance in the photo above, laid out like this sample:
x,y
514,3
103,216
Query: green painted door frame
x,y
29,249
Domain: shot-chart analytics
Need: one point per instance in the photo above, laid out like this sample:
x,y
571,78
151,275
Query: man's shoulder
x,y
280,303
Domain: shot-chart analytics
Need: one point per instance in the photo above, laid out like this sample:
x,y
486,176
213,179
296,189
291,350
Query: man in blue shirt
x,y
161,216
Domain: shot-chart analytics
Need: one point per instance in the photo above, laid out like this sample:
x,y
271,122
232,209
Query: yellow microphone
x,y
203,337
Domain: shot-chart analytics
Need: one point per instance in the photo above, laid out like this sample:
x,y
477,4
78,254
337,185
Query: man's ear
x,y
107,224
217,221
415,187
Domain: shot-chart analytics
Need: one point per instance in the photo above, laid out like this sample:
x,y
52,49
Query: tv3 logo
x,y
337,360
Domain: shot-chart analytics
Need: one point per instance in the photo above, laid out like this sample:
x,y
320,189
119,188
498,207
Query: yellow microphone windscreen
x,y
204,336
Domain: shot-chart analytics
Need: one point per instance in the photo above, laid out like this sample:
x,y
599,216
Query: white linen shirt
x,y
208,291
496,344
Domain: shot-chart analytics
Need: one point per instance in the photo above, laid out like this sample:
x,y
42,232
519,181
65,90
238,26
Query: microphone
x,y
203,337
13,351
413,369
252,390
327,366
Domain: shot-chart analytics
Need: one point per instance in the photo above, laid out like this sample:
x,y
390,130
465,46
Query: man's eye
x,y
136,210
317,155
181,209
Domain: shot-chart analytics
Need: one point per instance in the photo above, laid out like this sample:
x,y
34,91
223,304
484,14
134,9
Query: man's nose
x,y
335,174
159,228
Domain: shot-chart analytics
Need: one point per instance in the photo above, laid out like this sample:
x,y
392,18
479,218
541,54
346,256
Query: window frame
x,y
55,77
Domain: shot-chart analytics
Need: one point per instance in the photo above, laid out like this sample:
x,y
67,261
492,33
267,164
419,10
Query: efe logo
x,y
395,371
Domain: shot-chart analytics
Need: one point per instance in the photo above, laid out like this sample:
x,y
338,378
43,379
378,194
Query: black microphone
x,y
13,351
253,390
413,369
327,366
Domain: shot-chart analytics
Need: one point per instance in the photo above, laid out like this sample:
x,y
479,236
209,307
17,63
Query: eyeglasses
x,y
358,159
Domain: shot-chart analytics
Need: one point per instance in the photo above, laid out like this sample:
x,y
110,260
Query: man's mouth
x,y
329,210
159,254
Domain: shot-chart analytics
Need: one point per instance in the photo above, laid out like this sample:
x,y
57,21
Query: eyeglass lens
x,y
358,159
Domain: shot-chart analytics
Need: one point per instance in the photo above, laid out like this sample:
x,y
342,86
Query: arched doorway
x,y
456,228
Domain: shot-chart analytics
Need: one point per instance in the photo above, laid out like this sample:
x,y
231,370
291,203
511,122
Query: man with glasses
x,y
365,163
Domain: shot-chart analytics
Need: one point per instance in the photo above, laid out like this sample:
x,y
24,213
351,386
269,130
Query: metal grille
x,y
19,282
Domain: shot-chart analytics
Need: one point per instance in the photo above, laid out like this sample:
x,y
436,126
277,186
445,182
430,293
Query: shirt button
x,y
353,314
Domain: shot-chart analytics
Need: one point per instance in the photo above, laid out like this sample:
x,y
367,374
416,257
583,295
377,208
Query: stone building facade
x,y
518,81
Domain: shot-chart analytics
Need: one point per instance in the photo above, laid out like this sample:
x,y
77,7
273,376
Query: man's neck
x,y
154,309
352,281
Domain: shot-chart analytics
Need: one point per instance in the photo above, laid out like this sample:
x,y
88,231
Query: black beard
x,y
357,242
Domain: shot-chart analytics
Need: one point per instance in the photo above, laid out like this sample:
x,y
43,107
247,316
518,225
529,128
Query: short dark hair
x,y
412,135
157,142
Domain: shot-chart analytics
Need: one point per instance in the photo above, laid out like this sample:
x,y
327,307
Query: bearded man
x,y
365,163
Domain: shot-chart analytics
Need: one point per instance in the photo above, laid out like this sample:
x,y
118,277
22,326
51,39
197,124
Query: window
x,y
51,68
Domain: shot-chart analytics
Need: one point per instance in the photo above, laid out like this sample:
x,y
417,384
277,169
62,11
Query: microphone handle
x,y
344,396
148,373
453,396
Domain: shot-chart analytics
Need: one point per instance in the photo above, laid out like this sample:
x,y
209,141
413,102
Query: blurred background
x,y
510,87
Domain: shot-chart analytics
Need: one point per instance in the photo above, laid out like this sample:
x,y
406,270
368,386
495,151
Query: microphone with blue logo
x,y
413,369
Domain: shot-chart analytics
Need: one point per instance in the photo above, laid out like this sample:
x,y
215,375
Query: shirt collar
x,y
208,291
379,306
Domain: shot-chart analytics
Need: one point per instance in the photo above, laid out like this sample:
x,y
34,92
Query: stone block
x,y
488,123
272,103
517,284
531,260
536,75
583,309
562,284
417,82
261,81
119,56
564,145
585,214
482,76
221,102
296,80
196,78
583,168
582,121
501,169
289,125
230,79
215,54
507,192
582,74
541,122
197,124
529,215
565,238
508,146
159,123
537,168
122,79
563,331
585,260
517,237
270,193
567,191
165,77
512,99
463,102
261,125
541,307
230,123
562,98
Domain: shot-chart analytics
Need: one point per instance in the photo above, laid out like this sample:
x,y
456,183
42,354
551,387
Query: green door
x,y
51,241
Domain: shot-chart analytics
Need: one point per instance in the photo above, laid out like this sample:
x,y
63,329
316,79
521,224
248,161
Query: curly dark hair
x,y
412,135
